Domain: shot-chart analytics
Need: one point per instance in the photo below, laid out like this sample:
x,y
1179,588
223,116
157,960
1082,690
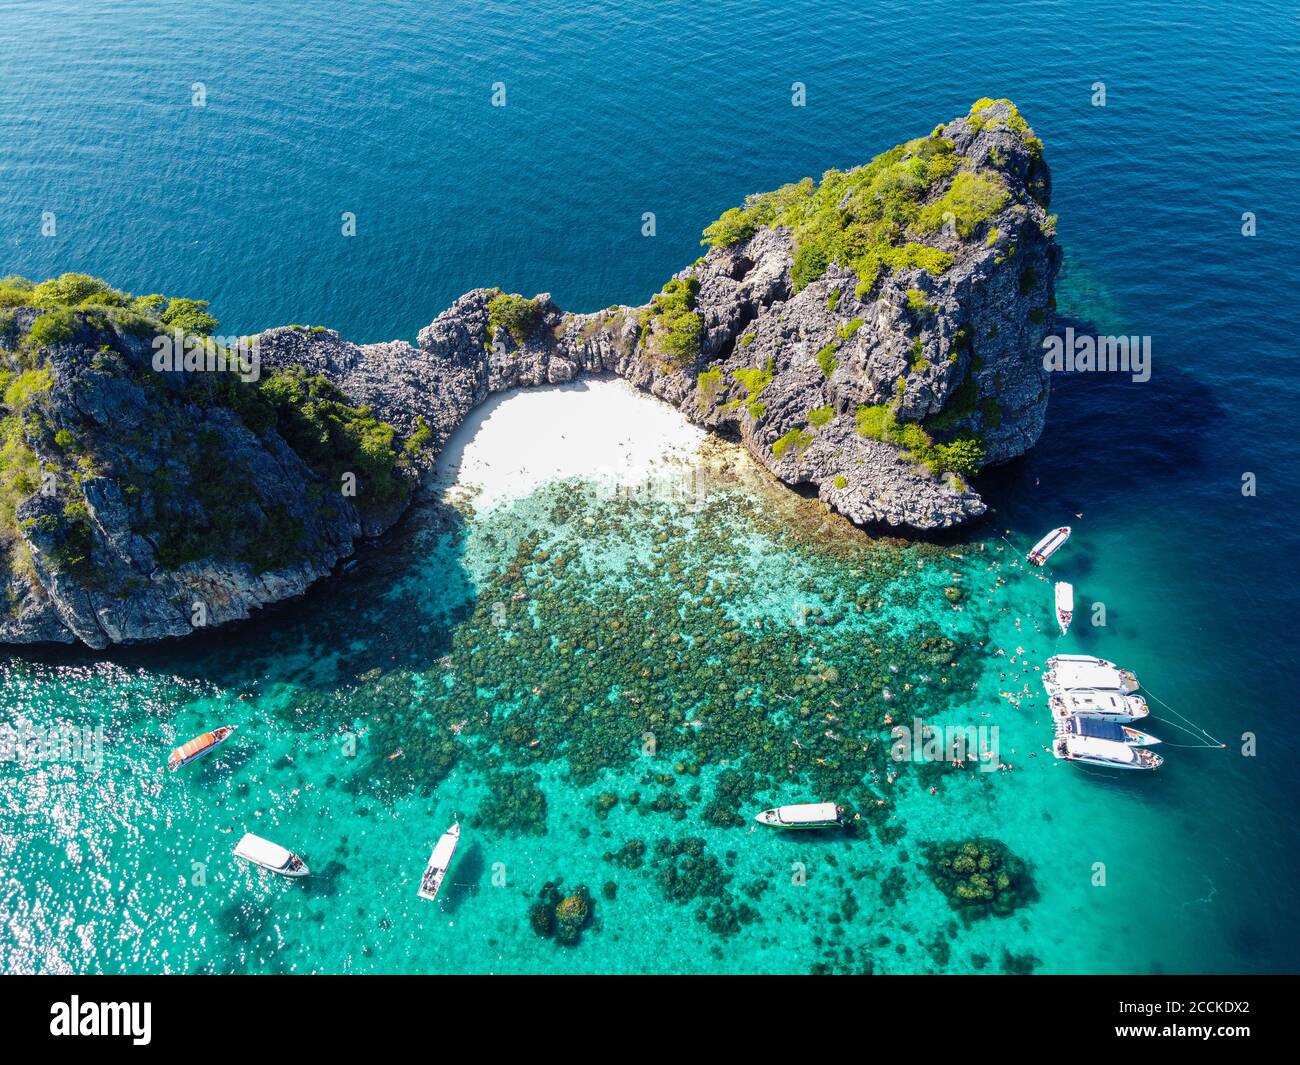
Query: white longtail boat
x,y
1064,605
1110,705
1048,545
200,746
270,856
439,860
1083,671
801,815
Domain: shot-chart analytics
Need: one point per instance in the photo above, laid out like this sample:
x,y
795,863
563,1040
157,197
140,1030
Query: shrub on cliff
x,y
734,227
963,456
52,327
670,325
60,297
190,316
515,314
334,437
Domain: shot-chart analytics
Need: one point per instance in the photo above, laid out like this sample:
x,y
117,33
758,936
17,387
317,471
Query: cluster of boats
x,y
1094,704
1093,701
277,859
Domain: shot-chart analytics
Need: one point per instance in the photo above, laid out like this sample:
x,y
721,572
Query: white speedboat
x,y
1064,605
801,815
439,860
270,856
1100,728
1083,671
1048,545
193,750
1112,754
1110,705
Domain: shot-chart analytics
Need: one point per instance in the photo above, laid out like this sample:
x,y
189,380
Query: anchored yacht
x,y
270,856
1101,729
1064,605
801,815
1066,672
193,750
1048,545
1113,754
1108,705
439,860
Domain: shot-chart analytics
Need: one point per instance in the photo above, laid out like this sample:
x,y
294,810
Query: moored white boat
x,y
270,856
194,749
1064,605
1112,754
439,860
1084,671
801,815
1086,702
1048,546
1105,729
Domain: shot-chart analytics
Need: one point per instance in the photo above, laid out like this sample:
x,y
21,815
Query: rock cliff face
x,y
877,338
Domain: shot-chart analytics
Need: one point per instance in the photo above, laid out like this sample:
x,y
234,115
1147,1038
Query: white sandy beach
x,y
598,429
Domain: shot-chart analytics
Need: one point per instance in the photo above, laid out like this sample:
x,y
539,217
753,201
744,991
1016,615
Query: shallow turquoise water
x,y
673,108
100,866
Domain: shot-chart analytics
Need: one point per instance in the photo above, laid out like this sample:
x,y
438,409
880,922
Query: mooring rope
x,y
1195,728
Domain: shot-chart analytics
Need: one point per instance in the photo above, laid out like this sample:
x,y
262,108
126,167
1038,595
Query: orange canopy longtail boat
x,y
199,746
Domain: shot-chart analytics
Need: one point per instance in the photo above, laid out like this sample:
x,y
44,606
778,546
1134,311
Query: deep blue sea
x,y
384,110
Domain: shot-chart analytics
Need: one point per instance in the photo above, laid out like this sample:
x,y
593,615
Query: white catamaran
x,y
270,856
801,815
439,860
1065,672
1048,545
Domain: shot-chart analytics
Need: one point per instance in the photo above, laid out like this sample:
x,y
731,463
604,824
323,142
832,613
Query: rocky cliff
x,y
876,336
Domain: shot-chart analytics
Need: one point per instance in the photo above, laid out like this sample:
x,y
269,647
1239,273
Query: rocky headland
x,y
875,336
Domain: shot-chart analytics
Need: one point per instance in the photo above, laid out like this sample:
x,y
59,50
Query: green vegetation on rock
x,y
755,382
826,358
709,383
962,457
875,218
516,315
69,297
819,416
670,326
798,439
917,303
334,437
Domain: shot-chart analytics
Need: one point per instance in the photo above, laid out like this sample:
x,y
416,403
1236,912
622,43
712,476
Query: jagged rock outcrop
x,y
877,337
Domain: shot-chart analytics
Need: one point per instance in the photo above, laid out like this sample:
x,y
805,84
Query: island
x,y
875,337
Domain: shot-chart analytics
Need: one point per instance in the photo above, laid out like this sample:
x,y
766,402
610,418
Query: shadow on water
x,y
468,871
343,628
1108,439
324,882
